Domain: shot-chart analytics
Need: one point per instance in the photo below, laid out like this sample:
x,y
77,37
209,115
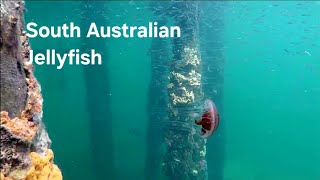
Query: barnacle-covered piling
x,y
23,134
185,156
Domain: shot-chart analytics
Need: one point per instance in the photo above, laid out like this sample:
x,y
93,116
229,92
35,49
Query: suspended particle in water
x,y
209,120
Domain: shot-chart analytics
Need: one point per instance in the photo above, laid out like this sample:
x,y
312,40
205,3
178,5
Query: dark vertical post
x,y
98,102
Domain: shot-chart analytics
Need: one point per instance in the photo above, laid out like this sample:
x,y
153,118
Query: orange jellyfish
x,y
209,120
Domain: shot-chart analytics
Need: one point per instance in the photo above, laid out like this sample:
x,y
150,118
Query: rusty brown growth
x,y
24,140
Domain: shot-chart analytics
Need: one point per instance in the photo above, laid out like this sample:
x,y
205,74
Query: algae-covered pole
x,y
185,156
25,144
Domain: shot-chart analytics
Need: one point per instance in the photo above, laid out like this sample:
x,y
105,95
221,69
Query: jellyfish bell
x,y
209,120
179,118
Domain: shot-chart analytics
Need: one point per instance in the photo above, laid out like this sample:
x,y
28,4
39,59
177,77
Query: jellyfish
x,y
181,118
209,120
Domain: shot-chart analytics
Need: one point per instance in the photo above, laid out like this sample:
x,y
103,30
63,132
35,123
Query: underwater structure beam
x,y
97,95
186,150
25,144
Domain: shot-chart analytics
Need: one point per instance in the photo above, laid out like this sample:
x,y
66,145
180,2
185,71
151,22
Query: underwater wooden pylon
x,y
25,144
186,150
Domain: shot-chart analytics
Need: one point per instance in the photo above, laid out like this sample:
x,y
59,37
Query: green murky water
x,y
97,116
